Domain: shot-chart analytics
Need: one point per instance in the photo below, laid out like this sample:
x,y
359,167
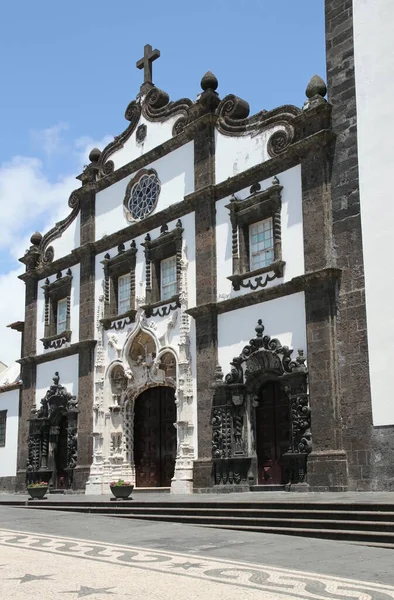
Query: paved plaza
x,y
60,555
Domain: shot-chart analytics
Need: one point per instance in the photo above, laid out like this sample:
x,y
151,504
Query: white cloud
x,y
50,140
30,201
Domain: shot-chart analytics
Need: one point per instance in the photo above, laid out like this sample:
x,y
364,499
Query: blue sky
x,y
68,73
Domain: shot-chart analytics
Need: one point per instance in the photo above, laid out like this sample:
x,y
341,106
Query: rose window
x,y
144,196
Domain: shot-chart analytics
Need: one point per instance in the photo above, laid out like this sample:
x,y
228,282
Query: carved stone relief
x,y
143,358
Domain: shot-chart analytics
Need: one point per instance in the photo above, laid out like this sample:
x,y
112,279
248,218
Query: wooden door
x,y
155,437
60,477
272,434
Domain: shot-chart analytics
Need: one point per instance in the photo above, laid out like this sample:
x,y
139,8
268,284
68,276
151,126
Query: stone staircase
x,y
365,523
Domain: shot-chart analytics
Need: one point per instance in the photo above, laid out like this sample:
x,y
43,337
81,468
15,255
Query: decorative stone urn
x,y
37,493
121,491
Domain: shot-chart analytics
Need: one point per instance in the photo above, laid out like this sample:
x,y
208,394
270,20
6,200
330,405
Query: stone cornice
x,y
10,386
293,156
146,159
295,285
56,354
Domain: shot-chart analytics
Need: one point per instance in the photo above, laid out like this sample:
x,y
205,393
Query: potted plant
x,y
38,489
121,489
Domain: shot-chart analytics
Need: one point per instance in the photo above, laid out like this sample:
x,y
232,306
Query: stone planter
x,y
37,493
121,492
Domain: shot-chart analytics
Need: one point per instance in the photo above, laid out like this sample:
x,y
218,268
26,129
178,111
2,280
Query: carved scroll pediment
x,y
57,399
262,355
264,360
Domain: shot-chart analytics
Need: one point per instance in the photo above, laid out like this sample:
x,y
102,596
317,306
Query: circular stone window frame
x,y
129,192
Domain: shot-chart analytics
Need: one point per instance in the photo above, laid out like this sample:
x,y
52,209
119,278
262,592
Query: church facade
x,y
198,321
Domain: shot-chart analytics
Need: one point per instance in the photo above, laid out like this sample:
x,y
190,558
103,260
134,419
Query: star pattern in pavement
x,y
88,591
29,577
187,565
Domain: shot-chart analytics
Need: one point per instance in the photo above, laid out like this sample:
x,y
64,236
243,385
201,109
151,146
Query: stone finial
x,y
218,374
259,329
316,87
301,359
94,155
36,238
254,188
209,82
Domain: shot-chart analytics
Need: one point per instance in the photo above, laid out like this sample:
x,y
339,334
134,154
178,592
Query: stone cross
x,y
146,62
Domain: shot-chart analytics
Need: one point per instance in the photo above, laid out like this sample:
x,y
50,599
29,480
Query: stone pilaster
x,y
360,439
28,375
86,334
206,323
327,464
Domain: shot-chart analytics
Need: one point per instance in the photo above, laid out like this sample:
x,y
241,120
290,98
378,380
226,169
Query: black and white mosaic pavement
x,y
60,567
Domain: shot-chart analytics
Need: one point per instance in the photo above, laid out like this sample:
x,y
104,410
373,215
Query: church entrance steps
x,y
152,490
369,523
267,488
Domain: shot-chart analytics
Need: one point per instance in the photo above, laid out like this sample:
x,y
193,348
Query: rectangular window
x,y
261,244
124,294
61,321
168,287
3,423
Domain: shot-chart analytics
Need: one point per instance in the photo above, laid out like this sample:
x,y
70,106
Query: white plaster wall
x,y
9,401
374,62
157,134
69,240
283,318
292,233
236,154
68,372
176,174
74,312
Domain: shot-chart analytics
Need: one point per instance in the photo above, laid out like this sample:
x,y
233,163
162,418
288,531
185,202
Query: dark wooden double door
x,y
155,437
272,434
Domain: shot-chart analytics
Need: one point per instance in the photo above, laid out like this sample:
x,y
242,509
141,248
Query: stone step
x,y
364,525
257,513
268,488
284,507
352,535
374,526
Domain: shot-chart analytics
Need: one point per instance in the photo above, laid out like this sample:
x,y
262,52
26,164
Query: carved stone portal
x,y
145,359
264,380
53,438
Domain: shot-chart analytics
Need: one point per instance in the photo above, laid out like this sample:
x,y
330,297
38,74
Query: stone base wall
x,y
8,484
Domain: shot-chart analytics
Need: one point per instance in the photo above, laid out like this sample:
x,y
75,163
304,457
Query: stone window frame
x,y
260,205
169,243
3,428
129,190
54,292
122,264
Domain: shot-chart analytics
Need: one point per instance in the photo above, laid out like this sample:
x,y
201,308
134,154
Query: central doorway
x,y
272,434
155,439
